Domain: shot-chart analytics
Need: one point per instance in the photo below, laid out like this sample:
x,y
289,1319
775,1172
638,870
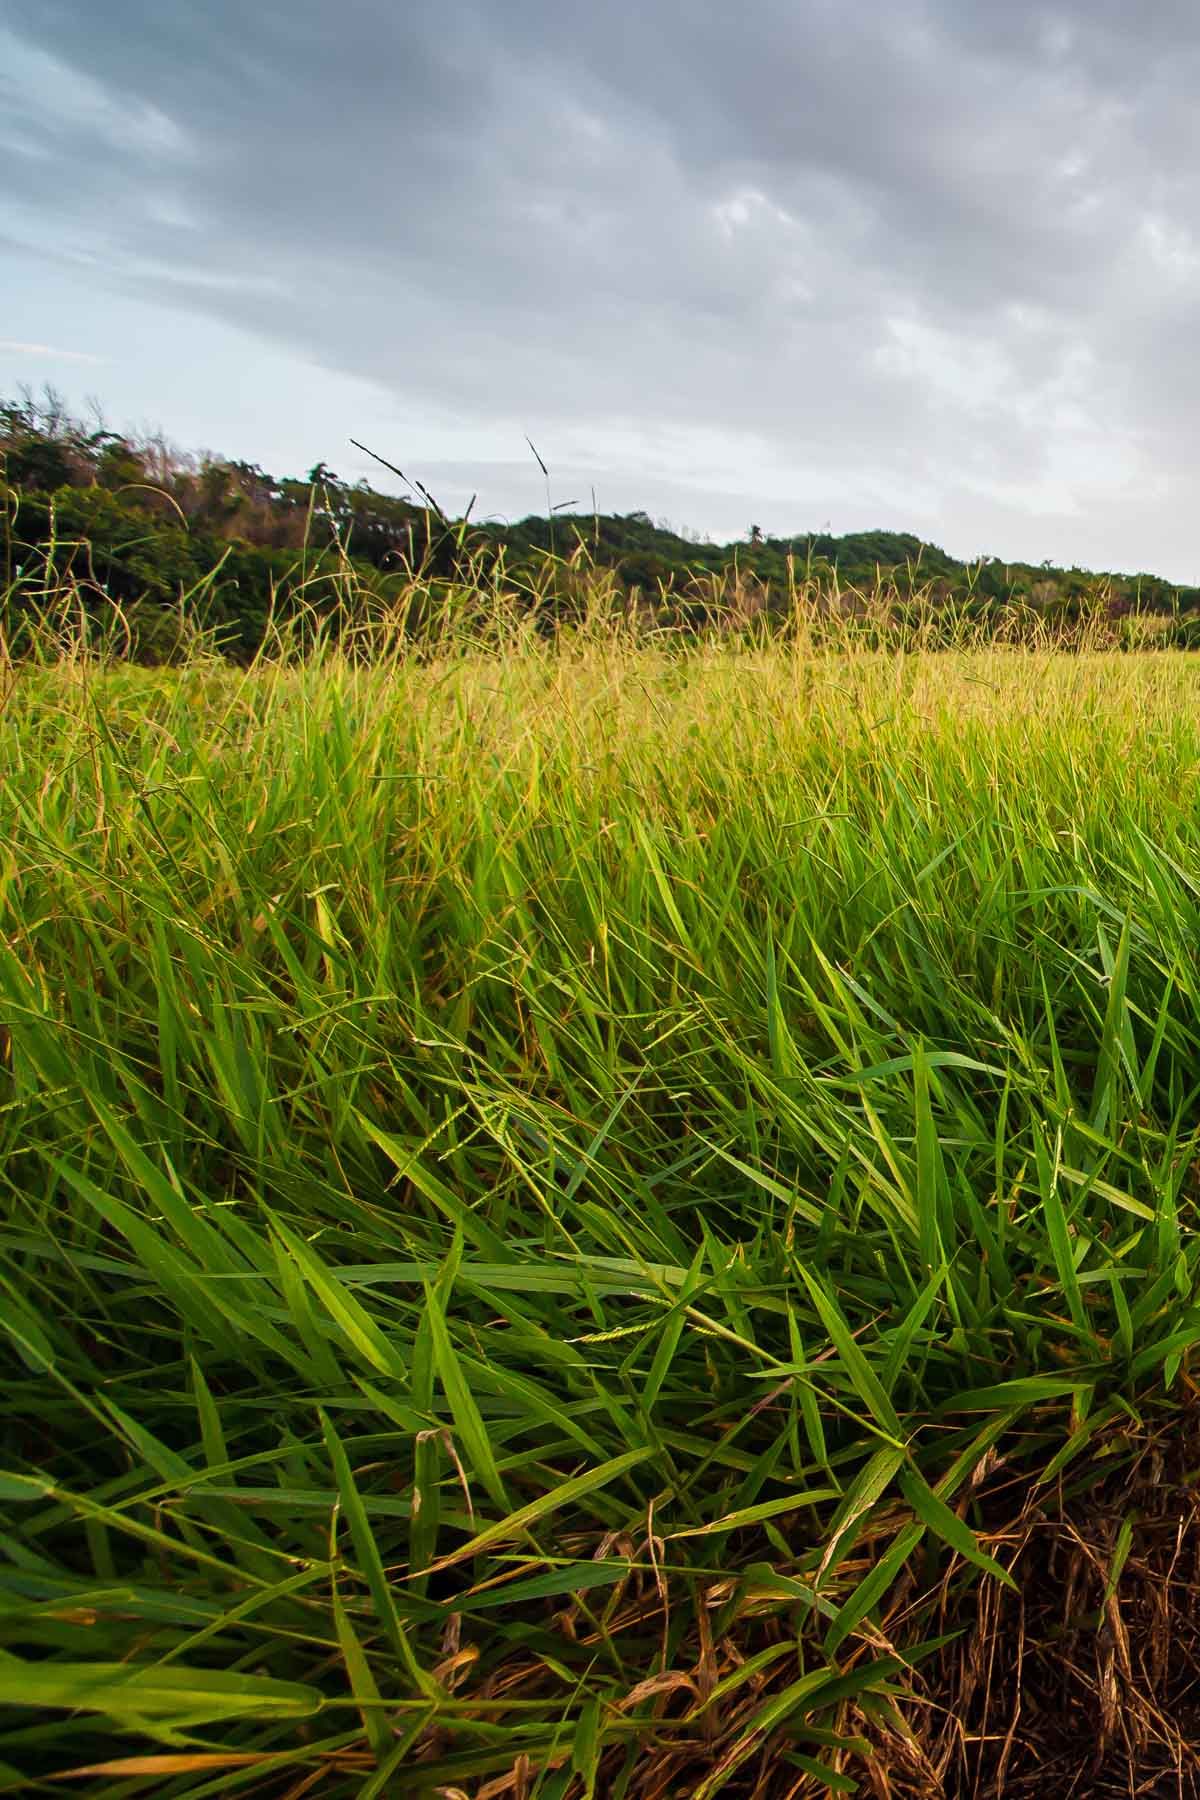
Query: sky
x,y
809,264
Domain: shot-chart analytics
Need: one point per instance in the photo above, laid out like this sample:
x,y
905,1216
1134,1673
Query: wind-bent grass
x,y
559,1207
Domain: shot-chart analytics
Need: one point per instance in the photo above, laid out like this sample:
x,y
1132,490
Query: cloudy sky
x,y
798,262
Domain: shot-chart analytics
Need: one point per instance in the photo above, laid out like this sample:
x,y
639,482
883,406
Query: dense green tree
x,y
136,523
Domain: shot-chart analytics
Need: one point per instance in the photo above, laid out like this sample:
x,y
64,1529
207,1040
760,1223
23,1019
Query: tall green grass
x,y
561,1207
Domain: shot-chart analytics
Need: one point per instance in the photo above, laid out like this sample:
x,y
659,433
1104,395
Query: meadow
x,y
615,1218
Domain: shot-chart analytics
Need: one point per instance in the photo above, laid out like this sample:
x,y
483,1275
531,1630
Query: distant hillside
x,y
137,521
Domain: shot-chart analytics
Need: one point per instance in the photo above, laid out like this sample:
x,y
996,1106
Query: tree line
x,y
114,517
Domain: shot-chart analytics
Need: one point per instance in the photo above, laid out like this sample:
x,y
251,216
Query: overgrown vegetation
x,y
597,1214
167,543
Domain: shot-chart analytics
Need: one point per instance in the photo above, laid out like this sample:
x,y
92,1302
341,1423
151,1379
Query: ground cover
x,y
606,1218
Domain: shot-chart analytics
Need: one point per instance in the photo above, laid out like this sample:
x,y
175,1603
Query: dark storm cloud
x,y
906,250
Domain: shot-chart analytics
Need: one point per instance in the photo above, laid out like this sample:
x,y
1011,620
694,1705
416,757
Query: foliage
x,y
574,1217
137,520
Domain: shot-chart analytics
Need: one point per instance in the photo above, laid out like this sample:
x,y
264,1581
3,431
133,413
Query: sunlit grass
x,y
541,1188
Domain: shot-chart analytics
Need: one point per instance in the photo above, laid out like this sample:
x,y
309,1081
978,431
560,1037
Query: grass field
x,y
606,1221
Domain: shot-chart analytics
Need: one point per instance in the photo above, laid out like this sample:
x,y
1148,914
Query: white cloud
x,y
51,350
